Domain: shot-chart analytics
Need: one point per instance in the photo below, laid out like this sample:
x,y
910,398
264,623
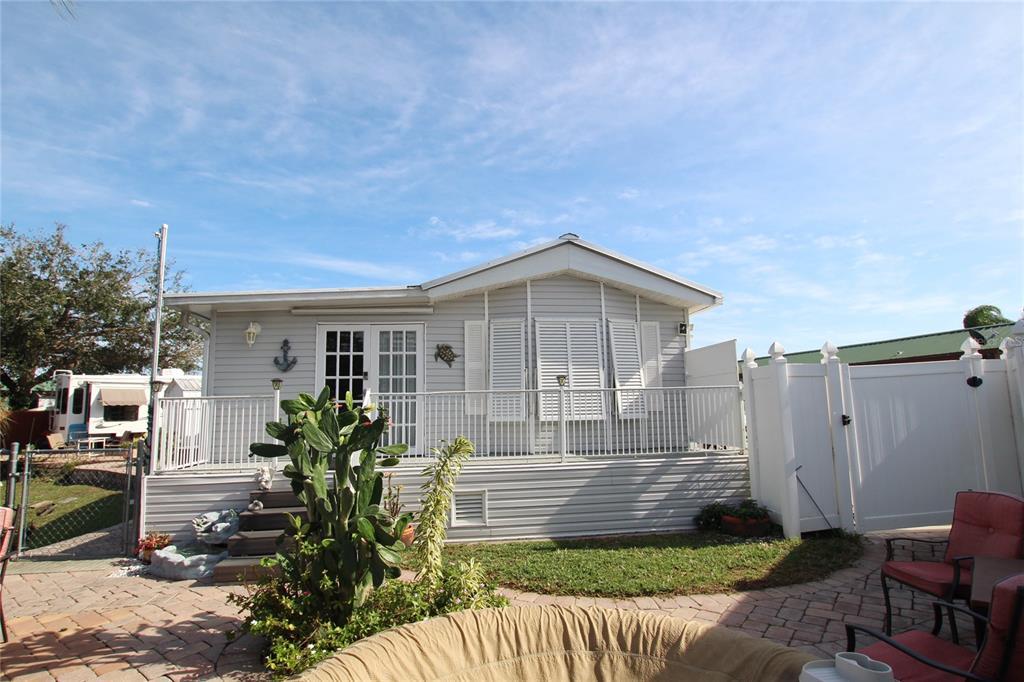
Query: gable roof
x,y
566,255
908,347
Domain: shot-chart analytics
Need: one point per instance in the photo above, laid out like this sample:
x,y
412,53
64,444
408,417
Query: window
x,y
120,413
62,401
78,400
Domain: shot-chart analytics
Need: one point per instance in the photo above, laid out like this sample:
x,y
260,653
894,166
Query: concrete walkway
x,y
82,622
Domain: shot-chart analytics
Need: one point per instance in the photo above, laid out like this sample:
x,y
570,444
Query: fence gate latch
x,y
846,420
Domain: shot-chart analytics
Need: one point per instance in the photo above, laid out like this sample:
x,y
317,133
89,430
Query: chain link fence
x,y
73,503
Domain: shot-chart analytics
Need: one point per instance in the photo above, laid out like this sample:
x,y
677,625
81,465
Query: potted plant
x,y
393,505
747,519
152,542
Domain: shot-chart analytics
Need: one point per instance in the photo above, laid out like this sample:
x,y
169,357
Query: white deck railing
x,y
211,432
214,433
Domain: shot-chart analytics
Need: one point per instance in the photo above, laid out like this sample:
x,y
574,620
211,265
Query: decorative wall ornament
x,y
285,363
445,352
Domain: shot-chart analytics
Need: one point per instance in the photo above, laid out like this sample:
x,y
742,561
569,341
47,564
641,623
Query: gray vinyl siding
x,y
237,369
524,500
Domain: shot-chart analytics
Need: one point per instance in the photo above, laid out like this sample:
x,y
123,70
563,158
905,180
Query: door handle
x,y
366,376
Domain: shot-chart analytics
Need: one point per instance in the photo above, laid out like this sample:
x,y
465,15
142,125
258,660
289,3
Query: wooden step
x,y
274,498
240,570
254,543
269,518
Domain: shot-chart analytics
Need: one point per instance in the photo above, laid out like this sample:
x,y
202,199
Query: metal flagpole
x,y
154,367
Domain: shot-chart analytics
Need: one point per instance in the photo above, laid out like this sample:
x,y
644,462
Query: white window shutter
x,y
572,348
628,369
507,371
474,354
585,371
552,360
650,352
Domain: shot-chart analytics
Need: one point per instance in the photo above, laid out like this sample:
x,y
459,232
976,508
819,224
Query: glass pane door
x,y
397,374
345,362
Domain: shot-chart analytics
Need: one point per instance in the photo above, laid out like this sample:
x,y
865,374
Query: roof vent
x,y
570,236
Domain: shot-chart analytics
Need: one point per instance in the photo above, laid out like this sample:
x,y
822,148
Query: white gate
x,y
881,446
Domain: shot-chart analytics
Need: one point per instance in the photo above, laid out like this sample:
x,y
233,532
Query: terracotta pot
x,y
746,528
145,556
408,535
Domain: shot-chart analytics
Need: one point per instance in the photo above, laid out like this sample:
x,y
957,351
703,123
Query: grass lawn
x,y
686,563
79,509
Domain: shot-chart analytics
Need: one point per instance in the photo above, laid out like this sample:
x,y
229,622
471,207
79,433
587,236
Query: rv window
x,y
120,413
62,401
78,401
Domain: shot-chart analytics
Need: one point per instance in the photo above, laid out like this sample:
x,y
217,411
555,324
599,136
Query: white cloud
x,y
458,256
629,193
140,202
480,230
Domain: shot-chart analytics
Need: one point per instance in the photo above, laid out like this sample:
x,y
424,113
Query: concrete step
x,y
274,498
269,518
254,543
240,570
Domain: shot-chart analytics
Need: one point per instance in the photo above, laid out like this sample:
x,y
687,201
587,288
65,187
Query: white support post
x,y
562,449
750,436
974,378
789,511
839,428
1013,356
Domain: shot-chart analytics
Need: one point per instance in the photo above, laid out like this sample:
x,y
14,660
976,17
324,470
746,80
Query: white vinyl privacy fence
x,y
876,447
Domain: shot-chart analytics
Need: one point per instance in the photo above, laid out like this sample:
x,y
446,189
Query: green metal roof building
x,y
923,348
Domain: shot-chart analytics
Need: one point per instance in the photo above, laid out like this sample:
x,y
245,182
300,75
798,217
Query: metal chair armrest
x,y
851,645
889,546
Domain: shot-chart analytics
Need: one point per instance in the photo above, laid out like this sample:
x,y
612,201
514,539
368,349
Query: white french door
x,y
386,359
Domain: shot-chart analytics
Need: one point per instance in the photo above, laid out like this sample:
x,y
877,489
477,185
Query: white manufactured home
x,y
568,365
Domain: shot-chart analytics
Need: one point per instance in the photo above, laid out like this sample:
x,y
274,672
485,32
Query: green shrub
x,y
299,634
710,516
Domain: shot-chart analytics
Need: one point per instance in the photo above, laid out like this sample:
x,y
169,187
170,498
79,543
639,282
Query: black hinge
x,y
847,419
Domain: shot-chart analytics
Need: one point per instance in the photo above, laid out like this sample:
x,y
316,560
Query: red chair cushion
x,y
6,532
1004,604
933,577
986,524
907,669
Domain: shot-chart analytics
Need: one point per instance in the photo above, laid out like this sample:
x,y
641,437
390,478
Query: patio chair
x,y
6,534
918,656
984,524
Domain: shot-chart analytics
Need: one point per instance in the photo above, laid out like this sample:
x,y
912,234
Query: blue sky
x,y
839,171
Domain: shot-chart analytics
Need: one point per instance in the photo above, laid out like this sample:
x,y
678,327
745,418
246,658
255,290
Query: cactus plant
x,y
356,542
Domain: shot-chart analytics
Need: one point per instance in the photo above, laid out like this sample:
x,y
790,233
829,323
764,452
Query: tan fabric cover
x,y
558,644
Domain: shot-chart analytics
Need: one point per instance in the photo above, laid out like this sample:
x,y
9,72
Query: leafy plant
x,y
153,540
432,530
393,496
298,637
710,516
749,509
350,542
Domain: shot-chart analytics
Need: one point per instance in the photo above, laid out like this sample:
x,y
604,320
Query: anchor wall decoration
x,y
285,363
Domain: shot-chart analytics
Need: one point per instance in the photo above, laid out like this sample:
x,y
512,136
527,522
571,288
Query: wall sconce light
x,y
563,379
276,384
251,332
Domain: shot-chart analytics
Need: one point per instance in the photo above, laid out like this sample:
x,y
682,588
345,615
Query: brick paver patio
x,y
80,624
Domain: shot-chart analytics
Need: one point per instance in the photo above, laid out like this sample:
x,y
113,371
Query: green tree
x,y
81,308
984,315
